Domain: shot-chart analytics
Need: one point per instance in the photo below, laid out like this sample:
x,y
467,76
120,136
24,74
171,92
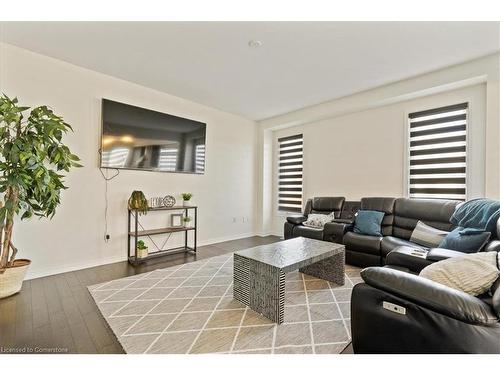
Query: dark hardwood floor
x,y
56,314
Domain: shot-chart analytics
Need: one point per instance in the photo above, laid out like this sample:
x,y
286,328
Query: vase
x,y
186,203
11,281
142,253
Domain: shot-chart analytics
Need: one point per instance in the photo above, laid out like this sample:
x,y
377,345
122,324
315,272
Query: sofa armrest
x,y
437,254
296,219
414,259
334,231
492,246
431,295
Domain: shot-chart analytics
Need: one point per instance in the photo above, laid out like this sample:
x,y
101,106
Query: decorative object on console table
x,y
137,230
142,249
176,220
186,197
169,201
138,202
155,202
32,162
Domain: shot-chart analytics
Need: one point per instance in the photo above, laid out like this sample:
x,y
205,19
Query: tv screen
x,y
138,138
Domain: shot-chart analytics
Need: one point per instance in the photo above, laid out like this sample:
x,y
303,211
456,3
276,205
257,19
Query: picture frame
x,y
176,220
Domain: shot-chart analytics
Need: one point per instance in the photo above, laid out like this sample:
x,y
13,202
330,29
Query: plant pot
x,y
186,203
11,281
188,225
142,253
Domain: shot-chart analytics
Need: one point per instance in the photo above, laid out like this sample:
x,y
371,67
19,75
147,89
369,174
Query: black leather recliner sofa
x,y
344,212
399,312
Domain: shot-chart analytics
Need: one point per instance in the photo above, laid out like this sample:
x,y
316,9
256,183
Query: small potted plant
x,y
186,197
142,249
187,221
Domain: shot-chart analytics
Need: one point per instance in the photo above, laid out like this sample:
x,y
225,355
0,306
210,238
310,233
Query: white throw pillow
x,y
318,220
472,273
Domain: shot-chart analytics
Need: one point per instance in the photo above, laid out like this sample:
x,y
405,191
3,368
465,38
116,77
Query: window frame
x,y
469,140
276,167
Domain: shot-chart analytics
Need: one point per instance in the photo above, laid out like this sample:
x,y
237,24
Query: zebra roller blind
x,y
438,153
290,173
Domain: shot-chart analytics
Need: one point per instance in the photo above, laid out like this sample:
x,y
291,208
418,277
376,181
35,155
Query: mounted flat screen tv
x,y
141,139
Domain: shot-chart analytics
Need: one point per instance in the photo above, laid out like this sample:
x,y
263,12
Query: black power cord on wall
x,y
107,178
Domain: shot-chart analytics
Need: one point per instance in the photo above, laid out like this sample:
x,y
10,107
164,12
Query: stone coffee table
x,y
259,272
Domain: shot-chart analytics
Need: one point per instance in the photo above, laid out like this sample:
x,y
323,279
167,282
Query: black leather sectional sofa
x,y
396,311
400,218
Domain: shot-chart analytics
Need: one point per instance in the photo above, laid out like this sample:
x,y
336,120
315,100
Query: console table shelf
x,y
149,232
134,234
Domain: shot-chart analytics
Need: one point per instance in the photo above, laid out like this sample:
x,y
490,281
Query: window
x,y
438,153
290,173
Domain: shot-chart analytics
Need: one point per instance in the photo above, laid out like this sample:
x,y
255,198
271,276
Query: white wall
x,y
74,239
374,118
364,153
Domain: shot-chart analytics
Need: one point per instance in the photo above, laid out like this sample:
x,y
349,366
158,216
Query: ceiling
x,y
299,63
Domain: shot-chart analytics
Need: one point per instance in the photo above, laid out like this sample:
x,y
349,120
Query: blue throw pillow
x,y
466,243
368,222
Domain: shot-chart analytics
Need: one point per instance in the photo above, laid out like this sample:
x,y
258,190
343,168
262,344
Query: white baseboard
x,y
100,262
226,238
270,233
73,267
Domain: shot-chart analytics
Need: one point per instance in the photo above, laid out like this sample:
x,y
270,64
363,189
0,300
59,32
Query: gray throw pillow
x,y
471,273
426,235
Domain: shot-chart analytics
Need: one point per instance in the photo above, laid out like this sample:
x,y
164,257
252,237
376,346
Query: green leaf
x,y
31,153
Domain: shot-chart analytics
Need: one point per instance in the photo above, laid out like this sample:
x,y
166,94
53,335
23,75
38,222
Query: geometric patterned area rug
x,y
190,309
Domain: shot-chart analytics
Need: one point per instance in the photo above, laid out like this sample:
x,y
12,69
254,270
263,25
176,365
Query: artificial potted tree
x,y
33,162
186,197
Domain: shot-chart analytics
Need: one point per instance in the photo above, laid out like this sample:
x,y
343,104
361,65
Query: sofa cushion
x,y
349,210
326,205
389,243
302,231
362,244
426,235
472,273
368,222
466,243
433,212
